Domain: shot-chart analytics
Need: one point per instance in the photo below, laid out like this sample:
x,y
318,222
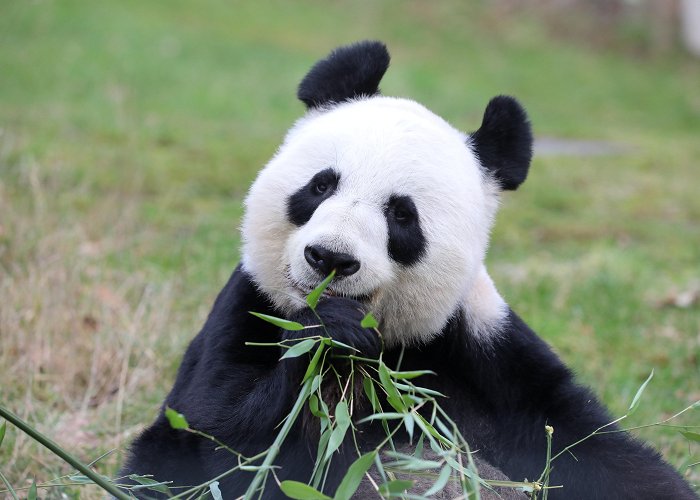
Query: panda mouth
x,y
365,298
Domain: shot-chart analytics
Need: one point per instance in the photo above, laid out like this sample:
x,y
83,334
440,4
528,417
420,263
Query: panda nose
x,y
324,261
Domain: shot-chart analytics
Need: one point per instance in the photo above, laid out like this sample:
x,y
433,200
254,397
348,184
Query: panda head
x,y
389,195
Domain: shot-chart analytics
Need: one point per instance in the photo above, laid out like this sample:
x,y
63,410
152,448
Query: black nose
x,y
324,261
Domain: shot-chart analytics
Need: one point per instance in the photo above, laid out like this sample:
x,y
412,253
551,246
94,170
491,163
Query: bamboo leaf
x,y
419,447
334,441
369,321
440,482
301,491
411,374
342,423
353,477
335,343
322,443
427,428
299,348
3,428
371,393
342,415
31,494
395,487
316,383
215,491
315,295
409,424
282,323
635,400
80,478
176,420
150,483
444,429
382,416
691,436
311,370
393,396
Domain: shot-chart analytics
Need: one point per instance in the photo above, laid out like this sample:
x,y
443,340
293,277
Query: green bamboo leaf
x,y
3,428
335,343
371,393
393,396
299,348
382,416
215,491
322,444
447,432
395,487
427,428
315,295
301,491
411,374
369,321
313,405
176,420
342,415
419,447
354,476
316,383
80,478
691,436
282,323
150,483
311,369
440,482
635,400
342,423
409,424
31,494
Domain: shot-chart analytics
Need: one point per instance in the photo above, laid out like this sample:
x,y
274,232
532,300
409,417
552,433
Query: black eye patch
x,y
406,241
302,204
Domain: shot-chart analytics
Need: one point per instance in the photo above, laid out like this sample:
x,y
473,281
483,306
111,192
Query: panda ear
x,y
348,72
503,143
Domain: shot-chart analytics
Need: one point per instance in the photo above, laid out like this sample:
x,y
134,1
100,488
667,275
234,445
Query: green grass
x,y
130,131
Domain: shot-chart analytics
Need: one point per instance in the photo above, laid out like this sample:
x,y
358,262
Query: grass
x,y
129,133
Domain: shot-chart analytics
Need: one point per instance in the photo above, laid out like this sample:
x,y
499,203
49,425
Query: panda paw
x,y
341,317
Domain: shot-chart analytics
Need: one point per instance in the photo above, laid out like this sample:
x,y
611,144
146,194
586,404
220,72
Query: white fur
x,y
380,146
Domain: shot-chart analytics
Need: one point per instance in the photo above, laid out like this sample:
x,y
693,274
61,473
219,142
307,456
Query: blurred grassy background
x,y
129,132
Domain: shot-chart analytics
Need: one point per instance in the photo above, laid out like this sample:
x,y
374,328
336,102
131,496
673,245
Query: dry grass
x,y
79,339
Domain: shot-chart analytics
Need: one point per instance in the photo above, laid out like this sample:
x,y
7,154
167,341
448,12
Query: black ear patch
x,y
503,143
349,71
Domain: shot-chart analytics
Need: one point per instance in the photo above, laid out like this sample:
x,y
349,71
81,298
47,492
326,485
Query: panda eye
x,y
401,214
320,188
401,210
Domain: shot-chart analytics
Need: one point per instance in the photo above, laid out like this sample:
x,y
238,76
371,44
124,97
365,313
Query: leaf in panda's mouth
x,y
313,298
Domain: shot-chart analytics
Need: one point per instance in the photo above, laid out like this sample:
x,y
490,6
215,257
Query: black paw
x,y
341,317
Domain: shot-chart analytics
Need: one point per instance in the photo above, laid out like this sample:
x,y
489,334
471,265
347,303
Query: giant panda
x,y
399,204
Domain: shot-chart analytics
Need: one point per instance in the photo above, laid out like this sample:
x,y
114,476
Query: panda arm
x,y
224,388
233,391
526,387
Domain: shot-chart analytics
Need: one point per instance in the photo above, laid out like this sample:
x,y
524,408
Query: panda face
x,y
387,194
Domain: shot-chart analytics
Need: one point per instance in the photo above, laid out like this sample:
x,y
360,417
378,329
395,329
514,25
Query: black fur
x,y
501,396
503,143
302,204
348,72
406,240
